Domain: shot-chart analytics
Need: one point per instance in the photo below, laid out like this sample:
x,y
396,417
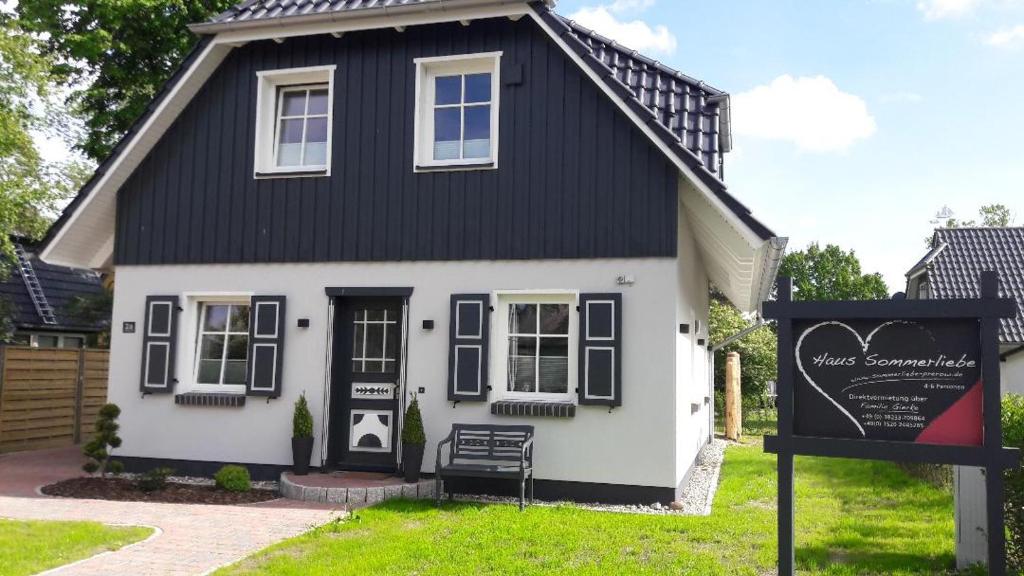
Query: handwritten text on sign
x,y
913,381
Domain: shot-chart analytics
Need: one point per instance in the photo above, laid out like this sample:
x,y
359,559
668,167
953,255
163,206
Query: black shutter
x,y
468,331
159,344
266,346
600,349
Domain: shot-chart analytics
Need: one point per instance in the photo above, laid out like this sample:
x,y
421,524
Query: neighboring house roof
x,y
677,112
960,255
60,285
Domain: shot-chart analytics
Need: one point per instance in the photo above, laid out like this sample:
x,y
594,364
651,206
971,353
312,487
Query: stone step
x,y
354,496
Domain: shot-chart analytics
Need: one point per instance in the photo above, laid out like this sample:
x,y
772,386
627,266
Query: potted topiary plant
x,y
413,440
302,436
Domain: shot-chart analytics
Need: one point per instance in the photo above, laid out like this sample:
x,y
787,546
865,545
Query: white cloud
x,y
939,9
1006,36
902,97
811,112
636,34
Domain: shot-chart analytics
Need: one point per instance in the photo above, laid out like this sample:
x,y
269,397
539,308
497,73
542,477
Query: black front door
x,y
365,387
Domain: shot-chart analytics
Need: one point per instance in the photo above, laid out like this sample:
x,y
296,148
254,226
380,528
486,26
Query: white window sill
x,y
310,172
456,167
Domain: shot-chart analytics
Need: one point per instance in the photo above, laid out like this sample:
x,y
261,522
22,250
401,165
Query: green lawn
x,y
853,517
28,547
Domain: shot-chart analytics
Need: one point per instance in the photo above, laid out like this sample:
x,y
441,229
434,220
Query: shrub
x,y
104,440
233,478
155,479
412,428
302,420
1013,436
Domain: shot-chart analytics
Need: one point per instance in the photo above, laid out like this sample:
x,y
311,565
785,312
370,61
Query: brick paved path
x,y
192,539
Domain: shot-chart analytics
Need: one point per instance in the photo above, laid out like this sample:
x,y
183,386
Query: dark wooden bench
x,y
487,451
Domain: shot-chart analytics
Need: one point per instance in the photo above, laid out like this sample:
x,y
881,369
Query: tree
x,y
990,216
757,349
31,189
103,441
120,51
92,310
831,274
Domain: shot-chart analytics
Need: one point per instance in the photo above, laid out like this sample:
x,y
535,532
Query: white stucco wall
x,y
693,382
650,440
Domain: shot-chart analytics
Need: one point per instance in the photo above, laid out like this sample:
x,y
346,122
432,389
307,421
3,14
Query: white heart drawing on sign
x,y
864,343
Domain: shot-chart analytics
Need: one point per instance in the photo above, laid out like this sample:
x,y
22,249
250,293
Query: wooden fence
x,y
49,397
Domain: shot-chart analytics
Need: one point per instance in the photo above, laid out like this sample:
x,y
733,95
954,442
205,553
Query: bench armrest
x,y
527,446
447,440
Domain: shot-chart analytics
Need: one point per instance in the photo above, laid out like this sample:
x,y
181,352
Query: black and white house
x,y
476,201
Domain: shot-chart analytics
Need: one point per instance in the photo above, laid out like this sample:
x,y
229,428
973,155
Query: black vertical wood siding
x,y
576,178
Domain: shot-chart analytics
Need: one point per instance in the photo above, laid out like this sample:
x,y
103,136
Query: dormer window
x,y
293,122
457,111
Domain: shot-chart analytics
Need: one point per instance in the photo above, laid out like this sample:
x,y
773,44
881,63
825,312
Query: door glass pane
x,y
478,88
448,90
375,315
357,340
374,341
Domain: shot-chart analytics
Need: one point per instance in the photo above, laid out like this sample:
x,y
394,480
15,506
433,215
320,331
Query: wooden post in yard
x,y
733,403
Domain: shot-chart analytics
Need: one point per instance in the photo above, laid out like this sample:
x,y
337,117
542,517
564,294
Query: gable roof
x,y
960,255
680,115
60,286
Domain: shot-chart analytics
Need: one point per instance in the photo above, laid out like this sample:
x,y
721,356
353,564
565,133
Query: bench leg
x,y
531,487
437,490
522,493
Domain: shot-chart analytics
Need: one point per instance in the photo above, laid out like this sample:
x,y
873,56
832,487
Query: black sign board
x,y
901,380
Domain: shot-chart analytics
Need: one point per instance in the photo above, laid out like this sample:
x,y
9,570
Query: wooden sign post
x,y
900,380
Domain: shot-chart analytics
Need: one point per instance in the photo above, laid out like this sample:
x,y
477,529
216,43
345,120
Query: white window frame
x,y
500,337
191,337
427,69
268,102
33,339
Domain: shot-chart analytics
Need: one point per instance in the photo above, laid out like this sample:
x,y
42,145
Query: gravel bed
x,y
202,481
696,500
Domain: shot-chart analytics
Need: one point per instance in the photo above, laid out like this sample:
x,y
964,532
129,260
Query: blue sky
x,y
854,121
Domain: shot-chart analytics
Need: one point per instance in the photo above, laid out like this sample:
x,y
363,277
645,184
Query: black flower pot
x,y
302,450
412,461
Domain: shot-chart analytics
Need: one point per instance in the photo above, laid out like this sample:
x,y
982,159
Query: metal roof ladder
x,y
35,289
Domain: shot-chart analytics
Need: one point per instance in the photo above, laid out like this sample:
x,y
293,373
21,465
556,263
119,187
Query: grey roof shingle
x,y
953,270
61,285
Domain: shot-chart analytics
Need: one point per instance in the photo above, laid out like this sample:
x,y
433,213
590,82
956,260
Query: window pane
x,y
478,87
46,341
294,103
234,372
209,372
72,342
216,318
238,347
289,155
554,318
291,131
447,131
317,102
240,319
522,345
448,90
316,130
522,319
478,132
521,373
554,365
316,154
212,347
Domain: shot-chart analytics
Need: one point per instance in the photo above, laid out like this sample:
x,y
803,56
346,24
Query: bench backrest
x,y
490,442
